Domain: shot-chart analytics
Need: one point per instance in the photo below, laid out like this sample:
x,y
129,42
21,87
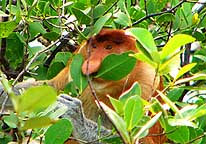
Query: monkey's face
x,y
105,43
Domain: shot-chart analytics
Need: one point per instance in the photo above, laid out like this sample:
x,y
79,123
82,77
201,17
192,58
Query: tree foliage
x,y
38,37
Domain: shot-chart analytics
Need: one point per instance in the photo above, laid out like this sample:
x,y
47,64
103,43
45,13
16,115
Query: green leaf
x,y
100,23
54,69
144,37
51,36
81,17
146,127
118,122
99,10
62,57
184,70
6,28
122,19
170,64
11,120
166,17
179,135
135,90
76,73
192,78
35,98
14,49
36,28
115,67
59,132
175,94
37,122
144,58
118,106
174,43
133,112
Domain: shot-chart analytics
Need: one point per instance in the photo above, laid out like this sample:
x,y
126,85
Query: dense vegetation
x,y
37,38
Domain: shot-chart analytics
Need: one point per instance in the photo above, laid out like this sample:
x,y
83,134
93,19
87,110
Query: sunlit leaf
x,y
35,98
133,112
37,122
144,37
192,78
184,70
174,43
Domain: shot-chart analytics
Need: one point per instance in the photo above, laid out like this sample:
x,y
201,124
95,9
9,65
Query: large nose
x,y
93,63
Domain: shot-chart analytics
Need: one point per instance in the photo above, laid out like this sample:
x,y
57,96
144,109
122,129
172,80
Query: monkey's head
x,y
108,41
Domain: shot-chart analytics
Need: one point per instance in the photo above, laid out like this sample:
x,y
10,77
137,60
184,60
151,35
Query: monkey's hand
x,y
84,128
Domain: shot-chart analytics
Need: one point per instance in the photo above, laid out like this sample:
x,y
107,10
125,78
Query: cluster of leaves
x,y
151,22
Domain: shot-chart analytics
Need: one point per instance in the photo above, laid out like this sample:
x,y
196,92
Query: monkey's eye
x,y
108,47
94,45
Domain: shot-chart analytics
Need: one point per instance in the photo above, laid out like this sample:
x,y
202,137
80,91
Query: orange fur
x,y
101,45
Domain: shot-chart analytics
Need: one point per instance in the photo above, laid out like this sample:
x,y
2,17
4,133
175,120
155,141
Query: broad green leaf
x,y
51,36
11,120
36,28
62,57
115,67
144,37
54,69
179,135
174,43
15,49
76,73
175,94
118,106
122,19
118,122
100,23
133,112
192,78
99,10
166,17
59,132
81,17
37,122
6,28
184,69
35,98
146,127
135,90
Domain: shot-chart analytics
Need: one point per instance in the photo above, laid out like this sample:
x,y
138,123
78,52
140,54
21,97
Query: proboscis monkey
x,y
106,42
